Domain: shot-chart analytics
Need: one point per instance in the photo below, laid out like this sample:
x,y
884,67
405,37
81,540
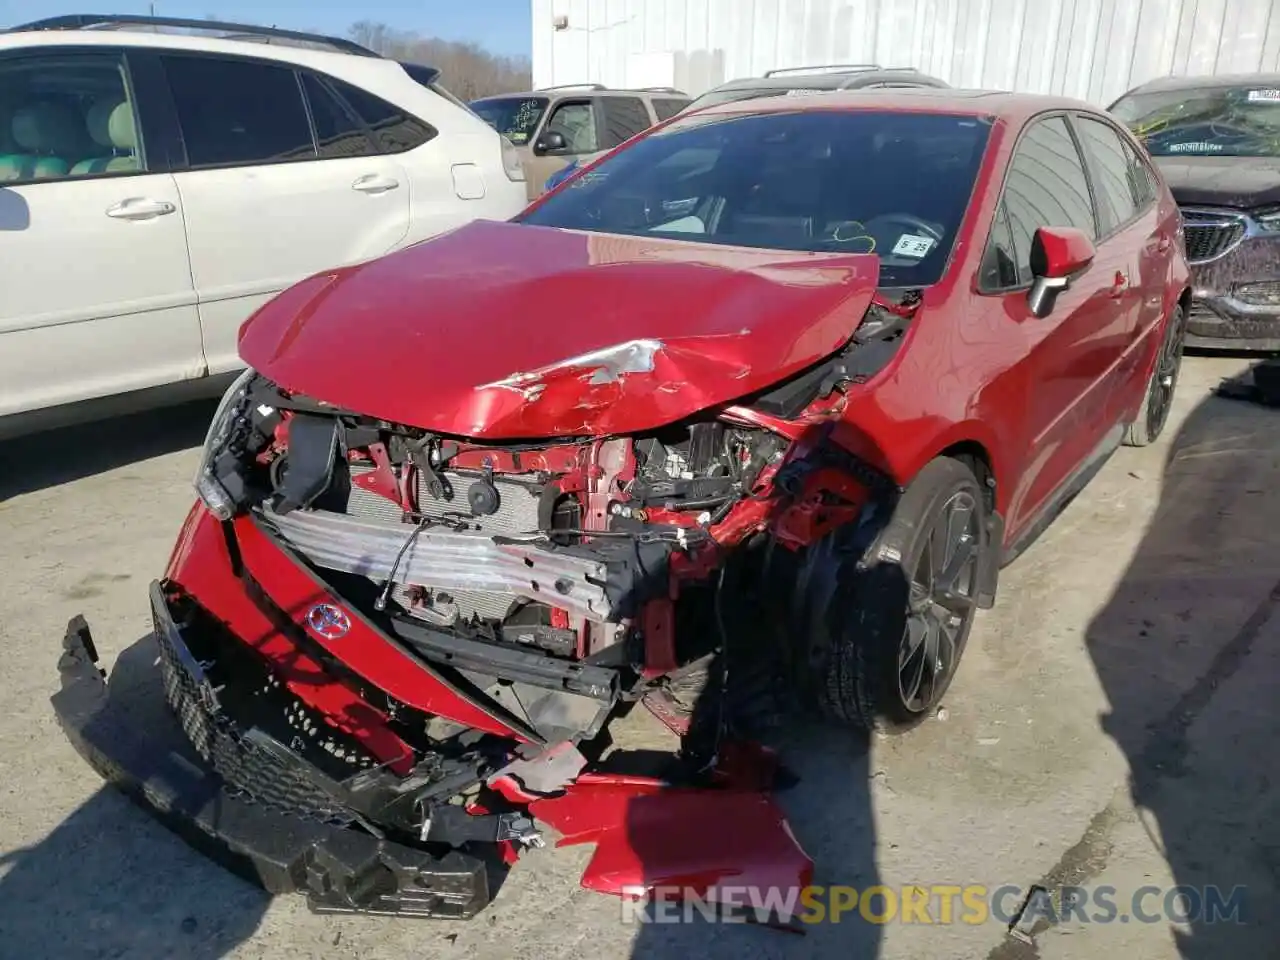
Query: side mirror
x,y
1058,256
553,142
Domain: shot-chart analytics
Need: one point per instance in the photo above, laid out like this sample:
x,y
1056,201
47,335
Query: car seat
x,y
47,132
110,124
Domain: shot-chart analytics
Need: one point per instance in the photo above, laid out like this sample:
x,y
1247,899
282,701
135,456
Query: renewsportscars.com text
x,y
941,904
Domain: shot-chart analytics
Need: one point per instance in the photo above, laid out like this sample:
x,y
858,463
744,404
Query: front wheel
x,y
897,623
1154,413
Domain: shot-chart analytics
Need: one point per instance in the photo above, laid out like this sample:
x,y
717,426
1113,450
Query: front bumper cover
x,y
137,744
191,754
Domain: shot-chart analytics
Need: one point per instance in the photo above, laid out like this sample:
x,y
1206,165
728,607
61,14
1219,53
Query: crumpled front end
x,y
401,650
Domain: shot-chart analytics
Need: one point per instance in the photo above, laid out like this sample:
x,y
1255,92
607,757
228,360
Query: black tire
x,y
1158,401
877,627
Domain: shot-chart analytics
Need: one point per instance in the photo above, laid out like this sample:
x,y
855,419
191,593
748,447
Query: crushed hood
x,y
1222,181
504,331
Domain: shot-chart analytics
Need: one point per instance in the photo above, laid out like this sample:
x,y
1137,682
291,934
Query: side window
x,y
238,111
999,269
1116,198
66,116
666,109
394,130
576,122
1141,177
624,117
339,133
1046,187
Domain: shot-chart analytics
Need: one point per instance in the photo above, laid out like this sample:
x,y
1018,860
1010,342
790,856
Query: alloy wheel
x,y
1165,378
941,603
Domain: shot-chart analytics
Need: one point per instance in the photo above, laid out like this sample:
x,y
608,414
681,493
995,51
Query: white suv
x,y
156,188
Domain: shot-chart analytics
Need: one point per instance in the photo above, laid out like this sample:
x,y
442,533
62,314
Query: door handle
x,y
1120,285
375,183
140,208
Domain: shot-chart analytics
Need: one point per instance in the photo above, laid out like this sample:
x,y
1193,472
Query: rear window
x,y
665,109
1210,121
782,181
715,97
516,118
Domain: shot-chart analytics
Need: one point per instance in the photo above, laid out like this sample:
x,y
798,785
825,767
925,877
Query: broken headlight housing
x,y
217,480
1268,220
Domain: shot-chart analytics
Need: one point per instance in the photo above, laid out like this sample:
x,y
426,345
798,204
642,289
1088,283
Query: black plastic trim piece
x,y
341,870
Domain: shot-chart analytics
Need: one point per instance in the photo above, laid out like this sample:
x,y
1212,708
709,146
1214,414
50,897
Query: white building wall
x,y
1090,49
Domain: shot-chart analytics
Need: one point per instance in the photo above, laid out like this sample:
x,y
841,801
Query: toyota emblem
x,y
328,621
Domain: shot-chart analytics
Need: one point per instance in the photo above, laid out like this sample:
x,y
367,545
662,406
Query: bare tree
x,y
467,69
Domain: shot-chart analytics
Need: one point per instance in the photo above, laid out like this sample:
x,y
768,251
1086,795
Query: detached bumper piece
x,y
133,740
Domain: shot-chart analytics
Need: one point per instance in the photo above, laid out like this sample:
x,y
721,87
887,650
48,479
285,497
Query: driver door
x,y
575,120
1068,358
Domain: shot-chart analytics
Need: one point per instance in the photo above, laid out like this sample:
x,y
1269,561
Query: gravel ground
x,y
1114,723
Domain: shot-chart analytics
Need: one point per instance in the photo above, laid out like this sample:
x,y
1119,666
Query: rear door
x,y
284,177
1132,236
96,295
1068,355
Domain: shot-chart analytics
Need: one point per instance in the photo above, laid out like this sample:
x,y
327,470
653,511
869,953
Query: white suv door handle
x,y
375,183
140,208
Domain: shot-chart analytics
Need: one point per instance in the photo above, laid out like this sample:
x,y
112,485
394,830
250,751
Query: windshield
x,y
893,184
1205,122
514,117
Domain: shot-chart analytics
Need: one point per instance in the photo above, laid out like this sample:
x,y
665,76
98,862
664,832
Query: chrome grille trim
x,y
1210,234
441,559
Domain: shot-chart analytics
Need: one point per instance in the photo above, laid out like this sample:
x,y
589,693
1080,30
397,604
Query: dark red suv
x,y
747,415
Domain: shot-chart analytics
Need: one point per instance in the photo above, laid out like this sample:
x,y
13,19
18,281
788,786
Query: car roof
x,y
137,36
591,89
832,80
1213,81
1013,107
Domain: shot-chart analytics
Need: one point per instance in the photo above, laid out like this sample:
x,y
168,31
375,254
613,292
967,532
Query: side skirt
x,y
1066,492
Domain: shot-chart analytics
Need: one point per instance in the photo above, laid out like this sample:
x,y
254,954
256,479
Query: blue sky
x,y
500,25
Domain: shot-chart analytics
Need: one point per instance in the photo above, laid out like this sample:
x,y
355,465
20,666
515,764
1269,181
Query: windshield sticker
x,y
1195,147
1265,96
911,245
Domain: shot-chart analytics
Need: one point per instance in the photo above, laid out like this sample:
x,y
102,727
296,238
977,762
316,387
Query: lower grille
x,y
250,772
517,513
1209,236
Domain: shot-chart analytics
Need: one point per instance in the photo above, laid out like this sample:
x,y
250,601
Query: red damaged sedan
x,y
780,385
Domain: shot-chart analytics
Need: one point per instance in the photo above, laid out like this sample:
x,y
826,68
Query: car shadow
x,y
46,459
1187,652
1188,655
110,882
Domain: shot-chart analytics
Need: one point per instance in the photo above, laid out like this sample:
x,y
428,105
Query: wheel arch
x,y
982,457
977,443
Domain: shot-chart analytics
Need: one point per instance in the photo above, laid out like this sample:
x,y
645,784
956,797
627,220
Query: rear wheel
x,y
897,623
1156,405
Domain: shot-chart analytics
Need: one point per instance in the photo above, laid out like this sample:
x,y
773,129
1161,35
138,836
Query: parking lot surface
x,y
1114,723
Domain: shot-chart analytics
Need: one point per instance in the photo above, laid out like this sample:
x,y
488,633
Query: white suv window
x,y
65,116
393,129
238,112
339,131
